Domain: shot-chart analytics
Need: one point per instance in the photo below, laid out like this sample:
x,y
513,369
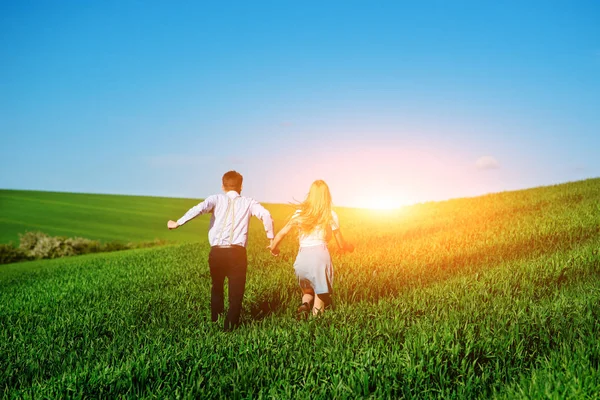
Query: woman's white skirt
x,y
314,268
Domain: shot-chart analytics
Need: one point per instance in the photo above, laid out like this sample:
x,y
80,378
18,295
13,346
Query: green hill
x,y
99,216
488,297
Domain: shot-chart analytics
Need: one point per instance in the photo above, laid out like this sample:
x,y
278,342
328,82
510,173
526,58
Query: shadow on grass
x,y
270,302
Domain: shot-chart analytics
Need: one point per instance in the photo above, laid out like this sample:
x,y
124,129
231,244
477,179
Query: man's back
x,y
230,218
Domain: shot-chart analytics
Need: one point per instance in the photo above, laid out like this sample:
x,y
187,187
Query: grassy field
x,y
489,297
95,216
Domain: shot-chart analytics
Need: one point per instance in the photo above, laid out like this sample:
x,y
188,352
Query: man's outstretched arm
x,y
201,208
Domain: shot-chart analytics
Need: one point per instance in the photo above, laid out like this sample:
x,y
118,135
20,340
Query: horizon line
x,y
290,203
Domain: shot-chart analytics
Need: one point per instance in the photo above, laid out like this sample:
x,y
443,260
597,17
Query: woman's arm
x,y
337,234
341,242
279,237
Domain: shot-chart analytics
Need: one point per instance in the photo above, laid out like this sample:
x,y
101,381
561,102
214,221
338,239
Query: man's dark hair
x,y
232,180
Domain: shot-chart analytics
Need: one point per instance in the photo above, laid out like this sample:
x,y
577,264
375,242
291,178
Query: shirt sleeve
x,y
201,208
260,212
335,221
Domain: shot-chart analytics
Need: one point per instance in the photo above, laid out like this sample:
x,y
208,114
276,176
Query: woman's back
x,y
319,235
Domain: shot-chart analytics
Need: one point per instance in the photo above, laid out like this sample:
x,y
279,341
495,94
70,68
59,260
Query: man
x,y
228,237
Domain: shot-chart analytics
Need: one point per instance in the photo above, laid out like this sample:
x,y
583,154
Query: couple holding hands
x,y
314,220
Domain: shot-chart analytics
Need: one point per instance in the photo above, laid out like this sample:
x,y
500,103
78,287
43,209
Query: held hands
x,y
274,250
172,225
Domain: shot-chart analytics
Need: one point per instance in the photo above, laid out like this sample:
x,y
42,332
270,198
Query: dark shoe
x,y
303,311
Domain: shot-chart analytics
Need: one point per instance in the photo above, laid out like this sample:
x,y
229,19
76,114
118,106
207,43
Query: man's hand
x,y
172,224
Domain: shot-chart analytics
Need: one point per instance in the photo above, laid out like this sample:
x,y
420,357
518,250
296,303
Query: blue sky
x,y
390,102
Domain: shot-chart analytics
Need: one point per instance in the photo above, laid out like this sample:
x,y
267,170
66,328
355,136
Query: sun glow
x,y
384,204
381,203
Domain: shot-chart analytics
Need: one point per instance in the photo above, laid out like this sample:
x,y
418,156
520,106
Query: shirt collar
x,y
232,194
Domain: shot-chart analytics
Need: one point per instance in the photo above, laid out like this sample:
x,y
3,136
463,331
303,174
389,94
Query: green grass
x,y
488,297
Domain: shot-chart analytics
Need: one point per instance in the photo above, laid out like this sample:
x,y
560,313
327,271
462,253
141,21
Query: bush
x,y
29,240
10,254
38,245
115,246
83,246
52,247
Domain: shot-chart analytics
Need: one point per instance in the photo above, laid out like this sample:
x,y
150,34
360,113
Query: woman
x,y
316,222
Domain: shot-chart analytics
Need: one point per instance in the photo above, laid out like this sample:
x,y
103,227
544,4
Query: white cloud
x,y
487,162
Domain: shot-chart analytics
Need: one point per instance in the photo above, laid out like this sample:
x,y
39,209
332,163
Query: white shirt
x,y
318,236
230,218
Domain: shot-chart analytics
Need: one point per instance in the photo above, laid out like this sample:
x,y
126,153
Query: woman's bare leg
x,y
322,301
307,295
319,306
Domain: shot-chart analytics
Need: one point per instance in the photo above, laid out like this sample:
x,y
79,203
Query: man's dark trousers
x,y
227,262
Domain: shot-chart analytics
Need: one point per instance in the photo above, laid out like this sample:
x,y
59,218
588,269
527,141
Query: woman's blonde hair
x,y
315,210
